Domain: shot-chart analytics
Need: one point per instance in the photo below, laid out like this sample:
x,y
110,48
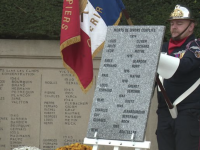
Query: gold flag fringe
x,y
118,20
85,90
66,44
98,50
70,41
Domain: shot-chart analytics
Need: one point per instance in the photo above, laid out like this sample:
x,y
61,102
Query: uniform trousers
x,y
181,133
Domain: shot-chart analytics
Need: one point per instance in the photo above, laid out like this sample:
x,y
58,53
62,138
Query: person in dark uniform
x,y
182,55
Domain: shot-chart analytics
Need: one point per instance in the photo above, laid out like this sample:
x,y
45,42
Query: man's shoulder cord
x,y
196,47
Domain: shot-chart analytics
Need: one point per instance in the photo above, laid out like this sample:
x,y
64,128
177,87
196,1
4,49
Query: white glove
x,y
167,66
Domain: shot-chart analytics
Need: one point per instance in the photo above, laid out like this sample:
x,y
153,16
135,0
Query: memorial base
x,y
117,144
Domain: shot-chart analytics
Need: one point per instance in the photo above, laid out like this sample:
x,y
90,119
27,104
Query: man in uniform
x,y
183,57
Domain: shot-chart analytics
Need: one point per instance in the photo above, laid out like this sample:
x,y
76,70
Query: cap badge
x,y
177,12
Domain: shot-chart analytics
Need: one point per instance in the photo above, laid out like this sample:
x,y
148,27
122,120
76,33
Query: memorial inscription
x,y
41,107
125,82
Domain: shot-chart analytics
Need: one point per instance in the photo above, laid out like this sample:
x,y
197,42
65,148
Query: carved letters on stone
x,y
125,82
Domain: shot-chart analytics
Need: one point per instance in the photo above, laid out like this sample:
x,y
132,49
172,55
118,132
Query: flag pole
x,y
128,19
169,104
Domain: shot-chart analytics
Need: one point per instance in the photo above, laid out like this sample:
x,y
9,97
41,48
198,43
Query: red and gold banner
x,y
75,45
83,32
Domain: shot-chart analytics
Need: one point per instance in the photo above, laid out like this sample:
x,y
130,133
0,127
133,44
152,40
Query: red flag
x,y
75,45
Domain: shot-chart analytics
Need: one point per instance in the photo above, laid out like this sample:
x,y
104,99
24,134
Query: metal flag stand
x,y
117,143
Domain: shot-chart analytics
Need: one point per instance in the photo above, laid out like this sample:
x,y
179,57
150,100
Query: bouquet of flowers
x,y
76,146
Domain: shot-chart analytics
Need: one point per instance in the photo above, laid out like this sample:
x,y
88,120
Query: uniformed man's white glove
x,y
167,66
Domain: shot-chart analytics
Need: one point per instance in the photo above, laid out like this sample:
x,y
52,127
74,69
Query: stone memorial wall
x,y
41,104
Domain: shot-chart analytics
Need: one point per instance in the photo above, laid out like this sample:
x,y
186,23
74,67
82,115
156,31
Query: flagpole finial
x,y
82,5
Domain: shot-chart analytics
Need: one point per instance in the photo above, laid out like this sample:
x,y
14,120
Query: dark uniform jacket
x,y
186,75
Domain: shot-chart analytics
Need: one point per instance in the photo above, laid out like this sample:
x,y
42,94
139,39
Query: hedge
x,y
41,19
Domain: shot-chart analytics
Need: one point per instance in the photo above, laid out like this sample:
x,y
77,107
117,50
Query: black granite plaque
x,y
125,82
